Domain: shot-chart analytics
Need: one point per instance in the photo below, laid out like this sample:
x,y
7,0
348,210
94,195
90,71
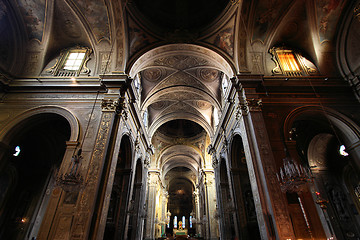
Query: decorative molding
x,y
118,106
254,104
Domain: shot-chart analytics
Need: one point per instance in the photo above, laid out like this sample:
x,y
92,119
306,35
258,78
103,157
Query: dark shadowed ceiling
x,y
190,15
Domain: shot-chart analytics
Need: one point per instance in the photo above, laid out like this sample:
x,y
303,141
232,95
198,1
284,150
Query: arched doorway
x,y
314,136
116,217
244,203
180,202
37,146
335,176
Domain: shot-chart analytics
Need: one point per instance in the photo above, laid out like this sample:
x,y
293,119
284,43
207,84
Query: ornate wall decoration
x,y
357,12
257,63
105,62
109,105
119,34
242,51
31,64
254,104
224,38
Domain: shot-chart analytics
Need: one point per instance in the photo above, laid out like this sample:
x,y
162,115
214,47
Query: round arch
x,y
6,132
214,59
348,130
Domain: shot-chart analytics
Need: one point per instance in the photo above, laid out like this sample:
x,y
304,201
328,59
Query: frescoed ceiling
x,y
160,22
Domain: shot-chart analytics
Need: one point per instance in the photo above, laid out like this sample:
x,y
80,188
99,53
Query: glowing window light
x,y
183,222
74,61
190,221
175,222
342,151
288,62
17,151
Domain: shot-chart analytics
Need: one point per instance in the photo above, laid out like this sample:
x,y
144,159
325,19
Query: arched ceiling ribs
x,y
179,93
208,57
181,115
179,155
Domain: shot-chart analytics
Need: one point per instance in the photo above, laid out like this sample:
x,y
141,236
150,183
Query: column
x,y
165,197
197,211
210,194
153,181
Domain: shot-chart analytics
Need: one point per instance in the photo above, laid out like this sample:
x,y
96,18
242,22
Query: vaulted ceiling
x,y
180,49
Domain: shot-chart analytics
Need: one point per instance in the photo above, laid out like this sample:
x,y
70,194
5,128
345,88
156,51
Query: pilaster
x,y
70,209
268,198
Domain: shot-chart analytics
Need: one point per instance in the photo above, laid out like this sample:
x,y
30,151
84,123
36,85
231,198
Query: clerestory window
x,y
72,62
291,63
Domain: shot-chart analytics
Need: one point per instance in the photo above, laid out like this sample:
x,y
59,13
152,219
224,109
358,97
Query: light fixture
x,y
292,176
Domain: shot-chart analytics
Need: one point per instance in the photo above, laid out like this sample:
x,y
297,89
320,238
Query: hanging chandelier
x,y
292,176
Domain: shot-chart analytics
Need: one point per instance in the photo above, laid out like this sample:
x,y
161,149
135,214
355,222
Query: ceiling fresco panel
x,y
266,15
95,11
138,38
6,40
328,13
224,38
33,13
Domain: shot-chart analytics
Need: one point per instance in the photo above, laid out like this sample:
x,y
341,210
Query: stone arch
x,y
313,134
190,49
21,118
41,135
347,130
